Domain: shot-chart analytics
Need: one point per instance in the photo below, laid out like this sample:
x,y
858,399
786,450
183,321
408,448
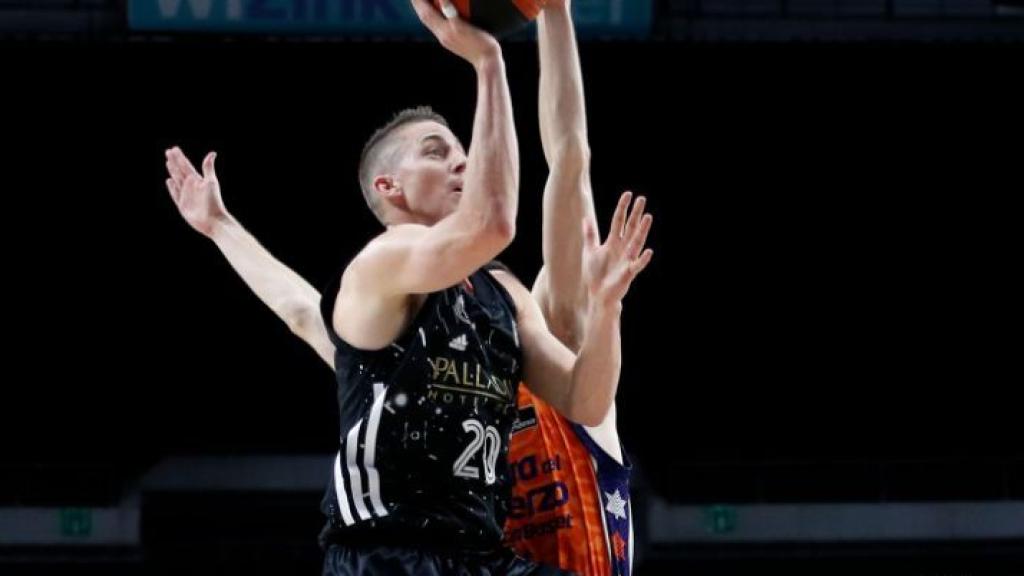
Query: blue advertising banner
x,y
353,18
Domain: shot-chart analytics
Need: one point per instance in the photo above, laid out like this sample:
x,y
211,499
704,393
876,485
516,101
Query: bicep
x,y
415,259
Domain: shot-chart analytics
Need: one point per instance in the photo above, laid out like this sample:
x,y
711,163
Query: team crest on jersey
x,y
526,418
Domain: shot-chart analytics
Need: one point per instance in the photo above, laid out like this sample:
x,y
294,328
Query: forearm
x,y
567,202
595,375
290,297
491,183
563,124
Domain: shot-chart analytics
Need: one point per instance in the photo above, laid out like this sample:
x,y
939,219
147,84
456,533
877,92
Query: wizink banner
x,y
351,17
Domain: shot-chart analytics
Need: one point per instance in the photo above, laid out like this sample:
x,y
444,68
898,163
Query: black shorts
x,y
388,560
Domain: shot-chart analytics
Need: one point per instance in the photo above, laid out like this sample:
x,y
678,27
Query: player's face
x,y
430,171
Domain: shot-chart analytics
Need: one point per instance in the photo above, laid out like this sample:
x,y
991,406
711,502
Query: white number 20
x,y
490,441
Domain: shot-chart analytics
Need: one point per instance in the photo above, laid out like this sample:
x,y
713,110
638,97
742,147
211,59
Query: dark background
x,y
830,315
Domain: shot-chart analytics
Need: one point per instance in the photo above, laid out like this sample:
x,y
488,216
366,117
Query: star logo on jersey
x,y
616,505
619,545
459,343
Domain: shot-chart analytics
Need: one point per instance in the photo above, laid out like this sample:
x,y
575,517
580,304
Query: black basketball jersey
x,y
425,424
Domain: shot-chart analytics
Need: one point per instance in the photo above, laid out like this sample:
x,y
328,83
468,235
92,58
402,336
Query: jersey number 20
x,y
487,438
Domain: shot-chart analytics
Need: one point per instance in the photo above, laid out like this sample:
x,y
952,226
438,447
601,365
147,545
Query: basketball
x,y
499,17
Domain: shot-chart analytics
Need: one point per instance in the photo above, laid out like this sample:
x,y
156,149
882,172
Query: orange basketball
x,y
499,17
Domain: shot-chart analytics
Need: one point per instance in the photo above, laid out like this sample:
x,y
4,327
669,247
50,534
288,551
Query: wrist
x,y
609,310
490,61
222,226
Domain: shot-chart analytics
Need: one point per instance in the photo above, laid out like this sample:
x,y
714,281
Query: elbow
x,y
503,230
497,229
486,237
566,322
301,318
571,152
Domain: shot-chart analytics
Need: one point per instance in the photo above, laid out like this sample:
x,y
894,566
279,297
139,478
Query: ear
x,y
389,191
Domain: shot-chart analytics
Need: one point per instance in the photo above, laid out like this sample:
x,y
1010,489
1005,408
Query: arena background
x,y
820,366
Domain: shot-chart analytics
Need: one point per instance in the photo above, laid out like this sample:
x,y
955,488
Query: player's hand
x,y
197,196
456,35
610,268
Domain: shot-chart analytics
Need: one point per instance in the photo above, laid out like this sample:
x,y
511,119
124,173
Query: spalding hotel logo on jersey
x,y
452,380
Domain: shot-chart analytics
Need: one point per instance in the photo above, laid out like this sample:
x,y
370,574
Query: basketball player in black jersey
x,y
430,348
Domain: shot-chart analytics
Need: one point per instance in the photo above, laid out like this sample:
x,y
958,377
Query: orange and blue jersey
x,y
570,499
